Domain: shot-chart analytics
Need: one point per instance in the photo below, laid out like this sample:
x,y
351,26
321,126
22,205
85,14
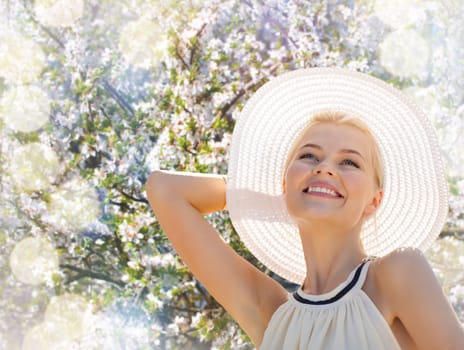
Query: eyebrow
x,y
345,150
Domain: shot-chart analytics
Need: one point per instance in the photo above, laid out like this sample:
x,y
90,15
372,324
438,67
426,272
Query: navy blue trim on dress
x,y
338,296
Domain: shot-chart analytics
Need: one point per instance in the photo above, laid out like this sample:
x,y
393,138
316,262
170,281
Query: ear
x,y
284,187
374,204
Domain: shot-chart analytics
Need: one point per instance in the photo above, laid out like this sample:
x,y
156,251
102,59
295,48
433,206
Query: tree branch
x,y
45,29
124,257
117,97
455,232
249,87
195,47
195,309
179,56
127,195
81,273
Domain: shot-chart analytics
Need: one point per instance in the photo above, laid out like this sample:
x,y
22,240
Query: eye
x,y
309,156
350,163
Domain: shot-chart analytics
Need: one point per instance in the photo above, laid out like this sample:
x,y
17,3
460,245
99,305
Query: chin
x,y
307,211
315,214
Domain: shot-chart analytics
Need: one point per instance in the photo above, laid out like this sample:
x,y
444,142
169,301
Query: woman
x,y
334,183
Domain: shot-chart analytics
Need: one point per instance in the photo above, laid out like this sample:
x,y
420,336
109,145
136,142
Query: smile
x,y
322,192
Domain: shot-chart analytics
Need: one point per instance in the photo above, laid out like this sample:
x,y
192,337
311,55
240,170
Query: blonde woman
x,y
335,183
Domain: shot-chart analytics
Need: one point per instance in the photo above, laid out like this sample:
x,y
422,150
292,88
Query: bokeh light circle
x,y
33,260
123,329
41,337
70,315
446,257
58,13
405,53
428,99
142,43
397,13
34,166
455,142
449,123
21,59
74,205
25,108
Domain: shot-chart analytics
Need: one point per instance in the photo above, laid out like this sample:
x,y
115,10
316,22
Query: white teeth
x,y
322,190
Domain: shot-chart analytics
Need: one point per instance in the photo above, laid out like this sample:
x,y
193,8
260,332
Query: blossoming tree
x,y
96,94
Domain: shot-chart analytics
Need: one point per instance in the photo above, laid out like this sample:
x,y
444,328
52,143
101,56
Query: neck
x,y
331,253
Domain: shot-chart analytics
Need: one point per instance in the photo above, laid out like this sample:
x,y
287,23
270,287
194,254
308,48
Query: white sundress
x,y
344,318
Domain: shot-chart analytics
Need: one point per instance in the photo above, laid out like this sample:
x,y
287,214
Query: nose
x,y
323,168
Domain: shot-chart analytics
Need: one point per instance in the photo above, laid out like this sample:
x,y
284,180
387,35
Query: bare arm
x,y
206,193
418,301
179,201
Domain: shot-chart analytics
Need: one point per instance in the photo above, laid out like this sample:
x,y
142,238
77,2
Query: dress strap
x,y
357,280
364,268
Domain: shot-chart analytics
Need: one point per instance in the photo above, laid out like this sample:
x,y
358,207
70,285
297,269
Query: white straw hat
x,y
414,204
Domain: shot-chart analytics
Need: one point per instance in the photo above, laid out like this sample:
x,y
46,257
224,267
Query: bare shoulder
x,y
403,265
413,296
389,276
401,274
393,273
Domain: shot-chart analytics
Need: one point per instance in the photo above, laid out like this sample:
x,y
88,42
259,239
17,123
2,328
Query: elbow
x,y
154,187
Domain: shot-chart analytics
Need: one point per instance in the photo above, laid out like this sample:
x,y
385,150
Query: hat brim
x,y
414,205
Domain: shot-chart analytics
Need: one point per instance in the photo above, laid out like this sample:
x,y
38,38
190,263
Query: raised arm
x,y
205,192
179,201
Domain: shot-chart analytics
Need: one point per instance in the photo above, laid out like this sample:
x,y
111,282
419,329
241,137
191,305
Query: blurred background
x,y
95,94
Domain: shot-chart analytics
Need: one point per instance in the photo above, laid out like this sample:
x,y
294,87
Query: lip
x,y
325,185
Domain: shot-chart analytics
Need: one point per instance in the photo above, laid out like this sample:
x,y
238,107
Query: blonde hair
x,y
341,118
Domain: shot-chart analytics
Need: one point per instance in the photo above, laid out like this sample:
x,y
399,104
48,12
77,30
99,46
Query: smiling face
x,y
331,175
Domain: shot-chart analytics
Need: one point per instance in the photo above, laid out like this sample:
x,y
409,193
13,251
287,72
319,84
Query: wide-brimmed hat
x,y
414,204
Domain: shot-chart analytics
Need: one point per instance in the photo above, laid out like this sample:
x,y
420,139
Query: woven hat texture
x,y
414,204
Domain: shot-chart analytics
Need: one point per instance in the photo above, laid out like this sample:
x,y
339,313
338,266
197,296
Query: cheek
x,y
294,178
295,172
357,184
360,186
